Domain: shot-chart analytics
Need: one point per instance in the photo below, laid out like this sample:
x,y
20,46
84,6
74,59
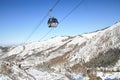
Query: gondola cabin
x,y
52,22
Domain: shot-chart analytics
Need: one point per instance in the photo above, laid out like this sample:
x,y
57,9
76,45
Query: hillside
x,y
92,56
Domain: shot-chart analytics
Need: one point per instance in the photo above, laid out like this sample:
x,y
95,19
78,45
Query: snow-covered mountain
x,y
92,56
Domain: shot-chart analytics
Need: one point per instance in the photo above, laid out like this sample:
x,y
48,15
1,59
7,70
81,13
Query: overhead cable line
x,y
46,34
51,9
81,1
34,30
54,5
72,10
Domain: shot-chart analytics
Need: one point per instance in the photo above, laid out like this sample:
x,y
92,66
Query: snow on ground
x,y
17,50
118,64
77,40
91,35
45,44
87,47
4,77
40,75
110,75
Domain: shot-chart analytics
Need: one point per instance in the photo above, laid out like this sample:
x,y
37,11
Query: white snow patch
x,y
109,75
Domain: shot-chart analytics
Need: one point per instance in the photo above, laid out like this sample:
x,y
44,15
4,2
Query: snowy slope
x,y
65,58
101,41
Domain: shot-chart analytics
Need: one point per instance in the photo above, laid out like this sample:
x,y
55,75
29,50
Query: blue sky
x,y
18,18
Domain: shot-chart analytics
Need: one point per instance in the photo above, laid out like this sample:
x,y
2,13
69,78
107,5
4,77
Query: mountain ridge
x,y
67,57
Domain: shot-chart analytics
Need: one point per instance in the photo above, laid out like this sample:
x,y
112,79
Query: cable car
x,y
52,22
